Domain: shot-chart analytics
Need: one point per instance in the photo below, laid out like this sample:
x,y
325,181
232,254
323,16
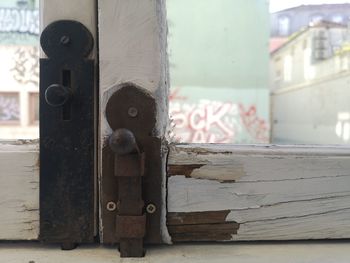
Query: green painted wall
x,y
219,68
219,43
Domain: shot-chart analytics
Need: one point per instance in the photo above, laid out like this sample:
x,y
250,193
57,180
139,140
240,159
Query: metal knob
x,y
57,95
122,142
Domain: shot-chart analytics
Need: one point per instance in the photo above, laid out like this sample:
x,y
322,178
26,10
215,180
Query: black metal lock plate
x,y
67,134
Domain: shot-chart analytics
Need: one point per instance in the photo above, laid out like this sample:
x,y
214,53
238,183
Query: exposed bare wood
x,y
272,192
200,226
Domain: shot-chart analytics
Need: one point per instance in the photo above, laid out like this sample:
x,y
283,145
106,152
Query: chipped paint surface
x,y
274,193
19,195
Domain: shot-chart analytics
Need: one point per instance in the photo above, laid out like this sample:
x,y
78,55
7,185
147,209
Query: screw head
x,y
151,208
65,40
133,112
111,206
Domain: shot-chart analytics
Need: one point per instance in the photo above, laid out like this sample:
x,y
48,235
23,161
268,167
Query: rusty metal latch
x,y
131,182
129,168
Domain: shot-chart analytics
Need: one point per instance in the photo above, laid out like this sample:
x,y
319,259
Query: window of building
x,y
316,18
337,18
284,25
9,108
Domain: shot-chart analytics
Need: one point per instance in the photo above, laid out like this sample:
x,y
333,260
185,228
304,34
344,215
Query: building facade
x,y
19,69
310,76
289,21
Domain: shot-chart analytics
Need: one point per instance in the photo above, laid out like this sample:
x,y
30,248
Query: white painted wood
x,y
274,193
132,41
19,193
280,193
296,252
132,49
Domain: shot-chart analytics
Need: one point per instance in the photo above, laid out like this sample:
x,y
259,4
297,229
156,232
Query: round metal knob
x,y
57,95
122,141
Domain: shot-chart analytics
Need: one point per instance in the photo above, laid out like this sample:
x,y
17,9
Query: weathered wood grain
x,y
200,226
19,193
284,193
272,192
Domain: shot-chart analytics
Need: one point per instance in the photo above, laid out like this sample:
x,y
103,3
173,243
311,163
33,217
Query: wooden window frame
x,y
254,178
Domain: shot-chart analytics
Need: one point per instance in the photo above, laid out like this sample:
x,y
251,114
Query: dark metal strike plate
x,y
67,135
132,108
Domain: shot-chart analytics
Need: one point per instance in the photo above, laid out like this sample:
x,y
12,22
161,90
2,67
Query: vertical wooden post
x,y
132,49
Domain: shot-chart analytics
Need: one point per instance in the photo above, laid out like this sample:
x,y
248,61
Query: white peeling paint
x,y
19,193
292,195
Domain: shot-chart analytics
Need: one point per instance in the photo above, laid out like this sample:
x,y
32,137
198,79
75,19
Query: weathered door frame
x,y
213,192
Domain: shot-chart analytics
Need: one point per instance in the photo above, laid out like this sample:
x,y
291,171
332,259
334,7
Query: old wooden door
x,y
206,192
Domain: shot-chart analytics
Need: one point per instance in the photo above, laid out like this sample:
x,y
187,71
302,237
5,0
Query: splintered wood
x,y
226,192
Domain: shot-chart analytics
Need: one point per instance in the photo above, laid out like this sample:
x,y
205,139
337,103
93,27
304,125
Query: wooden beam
x,y
266,192
19,193
132,49
247,192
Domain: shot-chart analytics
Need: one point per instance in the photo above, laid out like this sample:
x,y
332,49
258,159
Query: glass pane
x,y
9,108
19,69
256,71
219,71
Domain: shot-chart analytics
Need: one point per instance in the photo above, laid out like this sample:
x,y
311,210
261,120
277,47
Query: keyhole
x,y
67,82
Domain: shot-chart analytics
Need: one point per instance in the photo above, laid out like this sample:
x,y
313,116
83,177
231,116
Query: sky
x,y
276,5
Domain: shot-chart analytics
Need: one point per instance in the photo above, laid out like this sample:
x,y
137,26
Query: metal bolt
x,y
133,112
64,40
111,206
151,208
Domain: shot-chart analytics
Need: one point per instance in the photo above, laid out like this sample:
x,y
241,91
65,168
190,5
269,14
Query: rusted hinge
x,y
131,175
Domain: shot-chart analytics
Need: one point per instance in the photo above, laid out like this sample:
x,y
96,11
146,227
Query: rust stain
x,y
185,170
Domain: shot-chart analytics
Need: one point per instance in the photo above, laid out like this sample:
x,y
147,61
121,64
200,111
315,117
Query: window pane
x,y
9,108
19,69
257,72
219,73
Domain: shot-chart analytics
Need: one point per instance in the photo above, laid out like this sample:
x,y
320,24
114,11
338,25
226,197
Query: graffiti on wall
x,y
9,107
208,121
26,68
14,20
